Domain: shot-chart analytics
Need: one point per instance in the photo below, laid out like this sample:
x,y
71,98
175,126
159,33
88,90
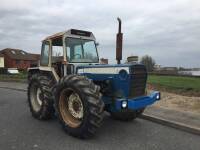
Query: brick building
x,y
15,58
103,61
132,59
1,61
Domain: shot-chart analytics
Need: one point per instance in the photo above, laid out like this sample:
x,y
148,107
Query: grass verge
x,y
21,77
189,86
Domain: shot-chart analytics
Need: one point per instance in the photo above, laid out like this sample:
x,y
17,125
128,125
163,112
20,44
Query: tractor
x,y
71,84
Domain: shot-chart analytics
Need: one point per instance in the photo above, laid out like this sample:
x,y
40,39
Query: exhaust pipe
x,y
119,39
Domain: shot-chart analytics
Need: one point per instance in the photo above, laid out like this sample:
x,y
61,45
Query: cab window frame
x,y
66,43
42,61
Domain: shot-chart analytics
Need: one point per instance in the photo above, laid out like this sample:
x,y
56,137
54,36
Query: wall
x,y
8,62
103,61
1,62
19,64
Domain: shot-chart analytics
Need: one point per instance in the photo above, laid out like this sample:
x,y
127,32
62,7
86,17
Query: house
x,y
16,58
132,59
170,68
157,67
103,61
1,61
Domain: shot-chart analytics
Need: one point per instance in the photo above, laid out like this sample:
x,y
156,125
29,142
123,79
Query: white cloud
x,y
158,28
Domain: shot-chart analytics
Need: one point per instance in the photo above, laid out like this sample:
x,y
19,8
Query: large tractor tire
x,y
79,105
40,97
127,115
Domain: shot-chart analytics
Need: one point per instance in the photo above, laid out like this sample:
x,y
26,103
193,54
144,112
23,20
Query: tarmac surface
x,y
20,131
186,121
186,118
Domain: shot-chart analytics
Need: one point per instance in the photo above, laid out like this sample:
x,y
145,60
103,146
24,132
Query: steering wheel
x,y
77,55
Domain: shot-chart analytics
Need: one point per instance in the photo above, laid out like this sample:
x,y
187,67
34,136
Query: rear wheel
x,y
40,97
79,106
127,115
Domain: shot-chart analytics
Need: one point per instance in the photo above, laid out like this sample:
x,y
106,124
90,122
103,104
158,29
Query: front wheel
x,y
79,106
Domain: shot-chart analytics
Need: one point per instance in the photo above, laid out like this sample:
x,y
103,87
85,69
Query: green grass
x,y
176,82
13,77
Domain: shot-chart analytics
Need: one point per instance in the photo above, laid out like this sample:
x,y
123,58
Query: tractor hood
x,y
122,80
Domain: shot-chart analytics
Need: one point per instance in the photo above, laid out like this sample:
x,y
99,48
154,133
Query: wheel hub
x,y
39,96
71,107
36,97
75,106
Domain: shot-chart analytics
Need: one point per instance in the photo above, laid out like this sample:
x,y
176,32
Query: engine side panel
x,y
118,85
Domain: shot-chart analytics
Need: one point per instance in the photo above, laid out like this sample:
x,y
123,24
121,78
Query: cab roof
x,y
72,33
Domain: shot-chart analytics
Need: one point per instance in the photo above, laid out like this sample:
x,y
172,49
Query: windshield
x,y
81,50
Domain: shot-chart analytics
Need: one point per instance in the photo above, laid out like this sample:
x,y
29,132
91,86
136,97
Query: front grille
x,y
138,78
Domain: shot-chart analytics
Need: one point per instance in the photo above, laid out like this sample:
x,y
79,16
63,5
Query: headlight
x,y
124,104
158,96
123,74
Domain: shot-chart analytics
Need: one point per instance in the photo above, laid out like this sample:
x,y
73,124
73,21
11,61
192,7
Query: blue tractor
x,y
71,84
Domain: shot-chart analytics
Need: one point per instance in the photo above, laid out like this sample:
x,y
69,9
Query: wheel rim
x,y
36,98
71,108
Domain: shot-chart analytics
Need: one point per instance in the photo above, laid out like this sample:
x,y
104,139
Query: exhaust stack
x,y
119,43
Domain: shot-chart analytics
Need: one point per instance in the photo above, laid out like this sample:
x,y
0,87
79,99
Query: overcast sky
x,y
169,30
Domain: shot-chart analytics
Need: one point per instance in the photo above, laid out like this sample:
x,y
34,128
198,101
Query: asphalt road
x,y
18,130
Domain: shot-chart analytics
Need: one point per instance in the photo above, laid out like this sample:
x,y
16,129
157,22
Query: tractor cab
x,y
65,50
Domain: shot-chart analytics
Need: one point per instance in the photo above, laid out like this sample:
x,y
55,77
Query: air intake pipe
x,y
119,39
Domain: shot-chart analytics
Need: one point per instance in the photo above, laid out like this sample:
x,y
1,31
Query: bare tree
x,y
149,62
